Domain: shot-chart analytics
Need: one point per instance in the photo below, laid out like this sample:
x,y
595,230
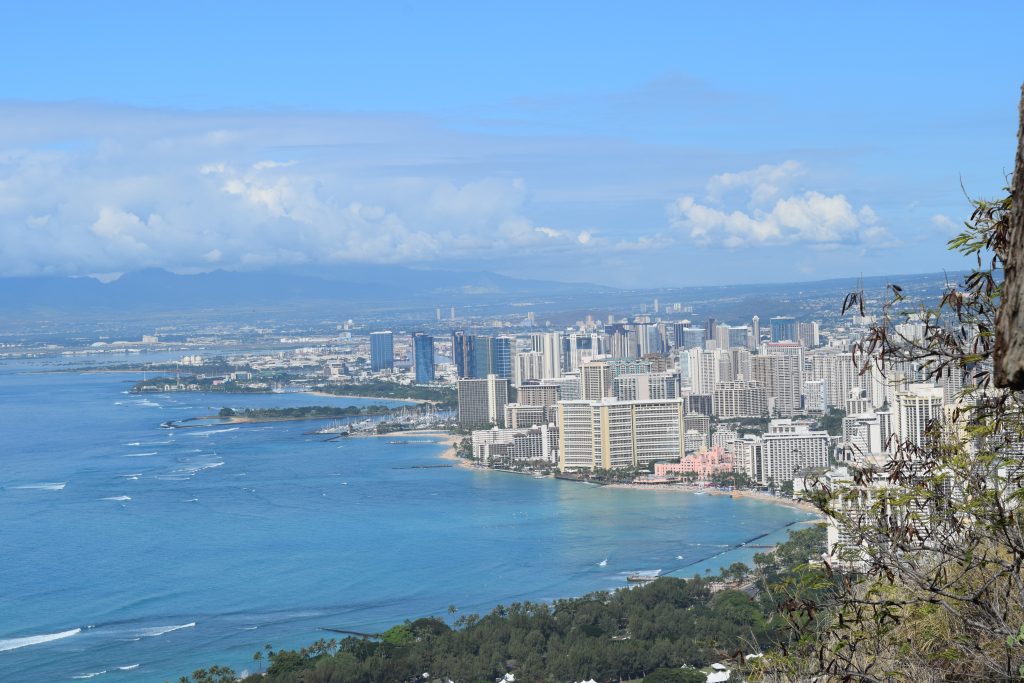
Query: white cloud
x,y
195,191
762,183
809,217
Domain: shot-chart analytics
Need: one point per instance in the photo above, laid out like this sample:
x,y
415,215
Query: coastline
x,y
450,453
327,394
450,441
739,493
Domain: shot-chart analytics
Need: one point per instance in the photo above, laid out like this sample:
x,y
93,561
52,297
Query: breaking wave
x,y
161,630
15,643
56,486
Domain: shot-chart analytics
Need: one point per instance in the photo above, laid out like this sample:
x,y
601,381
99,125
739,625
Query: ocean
x,y
135,553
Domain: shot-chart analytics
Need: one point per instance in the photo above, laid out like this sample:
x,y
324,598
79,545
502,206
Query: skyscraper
x,y
595,380
612,434
501,356
783,329
482,401
423,357
481,361
382,351
549,344
461,352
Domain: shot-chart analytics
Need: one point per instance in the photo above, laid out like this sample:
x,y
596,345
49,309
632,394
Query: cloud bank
x,y
112,189
773,213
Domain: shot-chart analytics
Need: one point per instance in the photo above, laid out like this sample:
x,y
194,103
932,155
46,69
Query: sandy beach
x,y
444,438
741,493
450,453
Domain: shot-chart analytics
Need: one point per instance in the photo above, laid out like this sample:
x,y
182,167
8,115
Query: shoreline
x,y
450,454
327,394
738,493
449,441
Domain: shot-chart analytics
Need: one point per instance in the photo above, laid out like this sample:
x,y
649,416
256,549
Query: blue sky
x,y
648,144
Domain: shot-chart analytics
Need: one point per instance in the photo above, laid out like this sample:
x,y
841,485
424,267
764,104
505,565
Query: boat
x,y
643,576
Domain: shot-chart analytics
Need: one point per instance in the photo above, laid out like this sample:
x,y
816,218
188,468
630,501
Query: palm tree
x,y
258,658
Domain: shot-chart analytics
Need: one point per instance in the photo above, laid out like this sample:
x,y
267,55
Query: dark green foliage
x,y
832,422
735,479
676,676
646,633
443,397
311,412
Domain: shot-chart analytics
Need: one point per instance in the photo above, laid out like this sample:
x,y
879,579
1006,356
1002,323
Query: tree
x,y
675,676
929,584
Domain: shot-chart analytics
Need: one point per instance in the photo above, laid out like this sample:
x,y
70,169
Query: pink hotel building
x,y
704,465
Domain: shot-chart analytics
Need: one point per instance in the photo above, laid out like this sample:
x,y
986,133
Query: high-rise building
x,y
739,337
382,351
756,330
502,349
808,335
783,329
595,380
462,351
614,434
914,410
838,373
739,399
423,357
707,368
511,445
579,348
698,404
645,386
527,366
693,338
481,357
748,452
482,401
550,345
538,394
780,371
519,415
709,328
814,396
692,422
477,356
790,447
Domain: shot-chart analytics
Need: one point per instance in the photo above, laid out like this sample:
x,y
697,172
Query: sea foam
x,y
161,630
214,431
121,498
15,643
57,486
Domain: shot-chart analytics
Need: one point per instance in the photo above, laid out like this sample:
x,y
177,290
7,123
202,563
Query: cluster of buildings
x,y
678,399
382,354
636,393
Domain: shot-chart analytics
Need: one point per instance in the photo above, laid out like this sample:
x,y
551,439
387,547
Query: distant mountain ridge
x,y
158,289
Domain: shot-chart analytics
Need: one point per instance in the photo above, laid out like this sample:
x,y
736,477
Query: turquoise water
x,y
143,552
